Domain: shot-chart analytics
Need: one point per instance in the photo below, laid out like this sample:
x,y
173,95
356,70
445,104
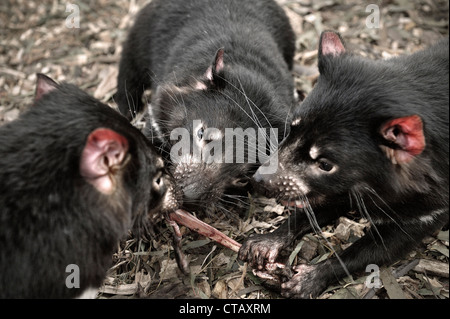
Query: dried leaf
x,y
393,289
439,247
169,269
344,293
295,252
220,290
443,235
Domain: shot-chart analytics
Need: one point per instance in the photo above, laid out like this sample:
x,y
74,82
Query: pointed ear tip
x,y
219,55
44,80
329,34
331,43
42,76
44,85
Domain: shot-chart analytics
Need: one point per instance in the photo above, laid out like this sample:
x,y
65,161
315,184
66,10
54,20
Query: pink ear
x,y
215,69
44,85
330,44
104,149
218,61
407,134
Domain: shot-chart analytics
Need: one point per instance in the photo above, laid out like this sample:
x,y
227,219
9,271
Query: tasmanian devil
x,y
75,175
211,66
372,137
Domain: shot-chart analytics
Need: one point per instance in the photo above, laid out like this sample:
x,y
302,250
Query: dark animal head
x,y
117,166
74,175
356,130
202,121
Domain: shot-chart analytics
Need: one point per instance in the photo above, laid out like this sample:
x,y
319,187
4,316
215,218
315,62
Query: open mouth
x,y
293,203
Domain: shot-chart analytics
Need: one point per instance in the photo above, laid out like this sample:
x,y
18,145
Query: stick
x,y
182,217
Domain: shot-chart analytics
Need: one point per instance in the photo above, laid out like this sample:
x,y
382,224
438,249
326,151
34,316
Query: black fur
x,y
50,216
342,119
172,47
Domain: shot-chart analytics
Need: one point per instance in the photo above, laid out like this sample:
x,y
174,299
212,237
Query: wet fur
x,y
340,121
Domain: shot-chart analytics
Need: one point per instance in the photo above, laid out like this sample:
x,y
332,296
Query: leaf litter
x,y
34,39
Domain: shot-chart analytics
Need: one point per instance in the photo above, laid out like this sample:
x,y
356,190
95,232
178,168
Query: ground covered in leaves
x,y
35,38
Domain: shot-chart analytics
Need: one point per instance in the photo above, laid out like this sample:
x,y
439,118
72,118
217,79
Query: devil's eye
x,y
325,166
200,133
158,180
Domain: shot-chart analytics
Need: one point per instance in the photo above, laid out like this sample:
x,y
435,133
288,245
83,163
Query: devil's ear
x,y
330,43
404,138
215,72
104,151
330,46
44,85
